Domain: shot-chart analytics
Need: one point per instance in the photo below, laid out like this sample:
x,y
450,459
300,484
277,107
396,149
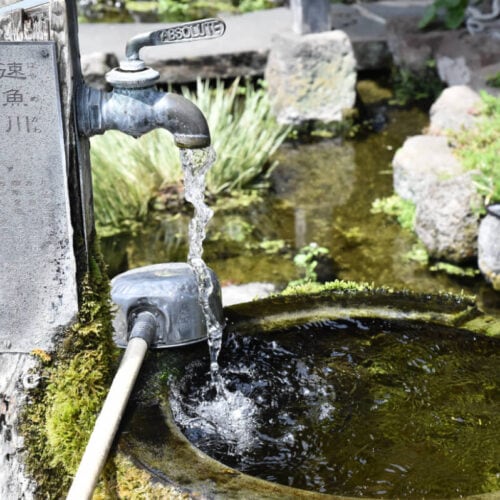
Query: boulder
x,y
311,77
489,249
423,160
456,109
447,218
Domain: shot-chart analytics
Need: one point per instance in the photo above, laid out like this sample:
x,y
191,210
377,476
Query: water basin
x,y
344,395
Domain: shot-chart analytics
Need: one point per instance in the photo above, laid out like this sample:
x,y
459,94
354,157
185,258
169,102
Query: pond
x,y
322,191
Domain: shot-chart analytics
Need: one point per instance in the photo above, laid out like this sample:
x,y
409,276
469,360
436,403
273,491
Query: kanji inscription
x,y
37,275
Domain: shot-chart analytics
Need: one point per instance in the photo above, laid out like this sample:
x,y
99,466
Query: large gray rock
x,y
456,109
423,160
447,218
311,77
489,249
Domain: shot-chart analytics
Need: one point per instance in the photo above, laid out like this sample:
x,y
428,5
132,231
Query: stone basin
x,y
171,459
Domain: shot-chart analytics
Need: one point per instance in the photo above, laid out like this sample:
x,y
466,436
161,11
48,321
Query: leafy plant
x,y
452,11
307,260
479,149
410,86
397,207
128,173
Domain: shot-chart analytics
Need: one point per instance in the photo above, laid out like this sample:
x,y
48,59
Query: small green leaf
x,y
429,16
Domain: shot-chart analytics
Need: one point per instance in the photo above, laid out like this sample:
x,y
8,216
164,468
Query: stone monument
x,y
46,215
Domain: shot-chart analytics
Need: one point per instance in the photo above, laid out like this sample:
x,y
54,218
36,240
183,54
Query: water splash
x,y
195,164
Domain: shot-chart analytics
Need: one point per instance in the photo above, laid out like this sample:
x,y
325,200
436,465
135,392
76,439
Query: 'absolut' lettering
x,y
209,28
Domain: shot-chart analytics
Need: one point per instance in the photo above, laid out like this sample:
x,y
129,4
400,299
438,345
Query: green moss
x,y
315,287
60,418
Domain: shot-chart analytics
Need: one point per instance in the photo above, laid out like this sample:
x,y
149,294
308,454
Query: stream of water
x,y
195,164
230,410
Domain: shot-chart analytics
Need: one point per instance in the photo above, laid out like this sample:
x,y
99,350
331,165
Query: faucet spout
x,y
184,120
140,110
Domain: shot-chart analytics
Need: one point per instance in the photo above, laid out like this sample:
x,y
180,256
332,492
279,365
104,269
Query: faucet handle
x,y
133,73
203,29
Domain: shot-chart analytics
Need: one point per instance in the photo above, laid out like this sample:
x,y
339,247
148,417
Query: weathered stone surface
x,y
236,294
423,160
446,221
489,249
48,21
38,290
15,378
411,48
311,77
456,109
453,71
95,66
460,56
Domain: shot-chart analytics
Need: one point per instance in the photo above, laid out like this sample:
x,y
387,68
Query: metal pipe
x,y
96,452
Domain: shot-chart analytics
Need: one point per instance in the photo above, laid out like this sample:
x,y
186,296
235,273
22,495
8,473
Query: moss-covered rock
x,y
60,417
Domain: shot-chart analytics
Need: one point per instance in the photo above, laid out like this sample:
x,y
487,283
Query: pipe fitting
x,y
144,326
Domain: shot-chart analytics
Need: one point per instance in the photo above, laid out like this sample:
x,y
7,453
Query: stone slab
x,y
38,295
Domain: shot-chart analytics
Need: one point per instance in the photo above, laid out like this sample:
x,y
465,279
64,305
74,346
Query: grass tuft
x,y
479,149
128,173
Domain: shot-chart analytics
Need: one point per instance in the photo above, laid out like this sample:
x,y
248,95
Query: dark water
x,y
361,408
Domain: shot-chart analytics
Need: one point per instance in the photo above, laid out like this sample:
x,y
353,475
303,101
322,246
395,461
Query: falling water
x,y
219,411
196,163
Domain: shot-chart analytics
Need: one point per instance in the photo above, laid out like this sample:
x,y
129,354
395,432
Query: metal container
x,y
170,292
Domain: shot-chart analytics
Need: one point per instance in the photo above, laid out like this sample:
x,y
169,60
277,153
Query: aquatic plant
x,y
129,173
479,149
413,86
395,206
307,260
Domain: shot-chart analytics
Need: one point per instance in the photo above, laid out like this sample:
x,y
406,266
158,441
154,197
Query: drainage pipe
x,y
93,460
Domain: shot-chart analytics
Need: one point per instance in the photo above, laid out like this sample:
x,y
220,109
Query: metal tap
x,y
135,106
